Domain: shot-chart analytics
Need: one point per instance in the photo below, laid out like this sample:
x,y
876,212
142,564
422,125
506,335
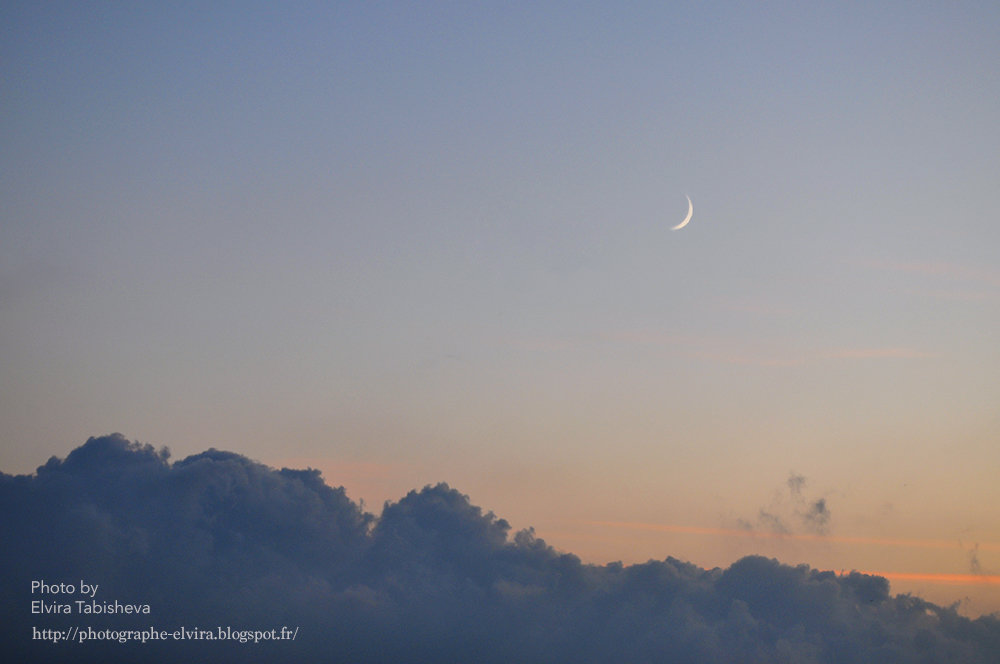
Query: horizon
x,y
209,551
972,594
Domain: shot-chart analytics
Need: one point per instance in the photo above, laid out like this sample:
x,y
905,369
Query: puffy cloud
x,y
796,513
217,539
816,515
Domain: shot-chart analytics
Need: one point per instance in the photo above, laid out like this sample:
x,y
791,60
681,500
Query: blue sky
x,y
410,244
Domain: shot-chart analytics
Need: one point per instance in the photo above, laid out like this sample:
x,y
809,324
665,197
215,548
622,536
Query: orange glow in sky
x,y
809,537
947,579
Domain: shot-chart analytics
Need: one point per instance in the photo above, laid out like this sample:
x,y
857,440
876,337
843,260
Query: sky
x,y
417,243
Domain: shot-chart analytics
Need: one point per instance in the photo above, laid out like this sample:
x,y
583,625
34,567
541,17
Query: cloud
x,y
219,540
795,483
975,567
791,515
770,522
817,515
878,353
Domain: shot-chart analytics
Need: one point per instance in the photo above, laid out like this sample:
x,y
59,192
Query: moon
x,y
687,218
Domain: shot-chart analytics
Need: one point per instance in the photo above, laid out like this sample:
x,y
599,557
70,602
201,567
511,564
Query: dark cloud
x,y
816,515
217,539
792,514
795,483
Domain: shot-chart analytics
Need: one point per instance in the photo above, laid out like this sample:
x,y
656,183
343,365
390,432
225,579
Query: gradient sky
x,y
411,243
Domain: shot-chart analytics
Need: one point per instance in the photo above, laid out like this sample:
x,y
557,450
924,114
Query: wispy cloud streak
x,y
944,269
737,351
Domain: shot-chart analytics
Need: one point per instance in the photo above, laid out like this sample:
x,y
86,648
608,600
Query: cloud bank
x,y
219,540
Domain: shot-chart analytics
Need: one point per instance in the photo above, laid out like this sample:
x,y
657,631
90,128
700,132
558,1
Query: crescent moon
x,y
687,218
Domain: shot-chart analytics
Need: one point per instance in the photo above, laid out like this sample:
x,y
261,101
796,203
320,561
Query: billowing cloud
x,y
219,540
